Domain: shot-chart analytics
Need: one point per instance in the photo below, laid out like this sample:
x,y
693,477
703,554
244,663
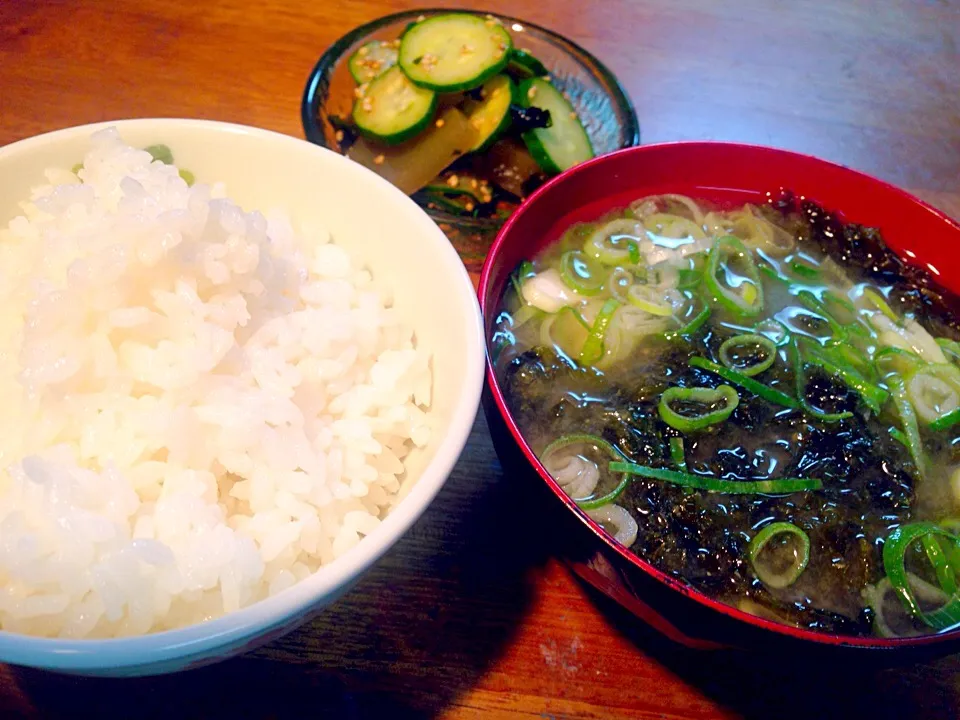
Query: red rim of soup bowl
x,y
697,168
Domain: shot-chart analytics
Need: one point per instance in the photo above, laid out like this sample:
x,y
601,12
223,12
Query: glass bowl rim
x,y
309,106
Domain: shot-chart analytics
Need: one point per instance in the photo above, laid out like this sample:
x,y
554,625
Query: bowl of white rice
x,y
234,368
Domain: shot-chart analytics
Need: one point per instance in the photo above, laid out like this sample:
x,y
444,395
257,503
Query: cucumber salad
x,y
456,115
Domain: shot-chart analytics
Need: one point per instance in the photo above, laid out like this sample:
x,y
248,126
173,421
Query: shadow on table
x,y
421,627
764,685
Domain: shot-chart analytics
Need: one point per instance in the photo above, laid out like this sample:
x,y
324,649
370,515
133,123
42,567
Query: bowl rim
x,y
200,640
875,644
309,105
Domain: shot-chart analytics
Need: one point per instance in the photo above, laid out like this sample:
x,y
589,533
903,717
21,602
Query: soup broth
x,y
763,401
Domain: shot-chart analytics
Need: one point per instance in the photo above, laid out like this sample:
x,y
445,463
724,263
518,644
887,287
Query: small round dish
x,y
596,94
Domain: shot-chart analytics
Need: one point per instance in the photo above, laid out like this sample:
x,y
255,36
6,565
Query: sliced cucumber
x,y
372,59
393,109
524,65
490,115
454,51
565,143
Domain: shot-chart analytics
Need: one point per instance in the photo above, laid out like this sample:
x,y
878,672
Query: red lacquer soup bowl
x,y
724,173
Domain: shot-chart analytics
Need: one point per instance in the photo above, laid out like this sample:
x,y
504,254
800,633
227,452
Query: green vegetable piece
x,y
894,564
524,65
600,443
565,143
800,378
746,343
781,486
771,395
762,539
593,348
188,177
160,153
738,291
371,60
677,454
580,273
393,109
720,403
454,51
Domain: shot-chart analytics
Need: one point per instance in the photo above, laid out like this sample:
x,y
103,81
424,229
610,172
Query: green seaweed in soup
x,y
762,401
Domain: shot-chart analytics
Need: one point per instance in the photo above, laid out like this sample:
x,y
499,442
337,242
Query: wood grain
x,y
468,616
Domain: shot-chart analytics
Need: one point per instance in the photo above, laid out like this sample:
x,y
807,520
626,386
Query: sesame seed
x,y
363,51
474,183
440,123
339,135
421,18
469,206
367,104
466,50
490,23
378,160
525,50
475,123
358,92
573,115
453,181
532,92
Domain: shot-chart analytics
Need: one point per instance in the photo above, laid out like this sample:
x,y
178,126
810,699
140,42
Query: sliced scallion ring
x,y
734,349
801,554
720,403
800,379
650,299
894,564
580,273
881,304
896,361
616,242
601,444
619,282
739,290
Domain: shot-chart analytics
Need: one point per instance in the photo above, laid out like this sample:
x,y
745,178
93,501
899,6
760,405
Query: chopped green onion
x,y
897,434
894,564
77,168
698,396
947,421
615,242
951,349
730,487
650,299
677,454
766,392
160,153
778,581
811,303
688,279
908,418
600,443
894,360
593,348
524,271
747,343
881,304
695,323
579,273
748,301
802,270
188,177
800,378
772,273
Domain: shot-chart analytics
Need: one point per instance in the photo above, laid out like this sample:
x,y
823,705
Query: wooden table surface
x,y
469,616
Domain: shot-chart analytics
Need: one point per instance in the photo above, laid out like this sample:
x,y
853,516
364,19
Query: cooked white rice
x,y
198,408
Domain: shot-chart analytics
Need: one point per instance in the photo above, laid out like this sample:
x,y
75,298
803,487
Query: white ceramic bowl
x,y
398,242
